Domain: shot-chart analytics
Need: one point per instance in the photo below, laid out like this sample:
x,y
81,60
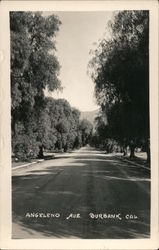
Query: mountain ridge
x,y
89,115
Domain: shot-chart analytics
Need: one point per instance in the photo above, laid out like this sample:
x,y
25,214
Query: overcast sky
x,y
78,32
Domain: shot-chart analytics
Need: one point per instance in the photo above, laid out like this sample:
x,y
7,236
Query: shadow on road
x,y
87,184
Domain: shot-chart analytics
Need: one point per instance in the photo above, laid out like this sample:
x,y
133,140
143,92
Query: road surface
x,y
85,194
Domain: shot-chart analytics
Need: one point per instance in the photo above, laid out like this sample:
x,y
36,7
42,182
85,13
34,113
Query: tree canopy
x,y
120,71
34,66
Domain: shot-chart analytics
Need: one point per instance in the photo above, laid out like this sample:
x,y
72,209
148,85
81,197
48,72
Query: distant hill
x,y
89,115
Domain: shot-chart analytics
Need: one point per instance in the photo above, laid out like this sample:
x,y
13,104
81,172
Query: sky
x,y
78,34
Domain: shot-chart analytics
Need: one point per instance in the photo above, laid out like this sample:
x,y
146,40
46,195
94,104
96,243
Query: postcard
x,y
79,124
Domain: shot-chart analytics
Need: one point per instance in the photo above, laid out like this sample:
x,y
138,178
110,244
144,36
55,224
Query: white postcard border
x,y
5,127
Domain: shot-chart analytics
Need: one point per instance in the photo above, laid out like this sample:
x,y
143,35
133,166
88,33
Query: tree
x,y
65,124
120,70
34,67
86,129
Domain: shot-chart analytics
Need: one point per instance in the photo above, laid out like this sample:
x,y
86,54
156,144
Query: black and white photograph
x,y
80,124
80,130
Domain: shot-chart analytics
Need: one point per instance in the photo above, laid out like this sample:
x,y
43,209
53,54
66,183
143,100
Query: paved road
x,y
86,194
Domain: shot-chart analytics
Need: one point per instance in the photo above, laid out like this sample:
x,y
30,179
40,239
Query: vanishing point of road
x,y
85,194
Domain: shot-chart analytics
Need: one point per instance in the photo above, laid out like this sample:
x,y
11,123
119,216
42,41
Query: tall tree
x,y
120,70
34,67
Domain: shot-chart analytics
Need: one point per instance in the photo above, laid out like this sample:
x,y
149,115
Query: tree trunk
x,y
125,152
148,152
41,155
148,156
132,150
65,148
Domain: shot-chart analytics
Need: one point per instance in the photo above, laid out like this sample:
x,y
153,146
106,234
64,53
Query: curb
x,y
28,164
133,163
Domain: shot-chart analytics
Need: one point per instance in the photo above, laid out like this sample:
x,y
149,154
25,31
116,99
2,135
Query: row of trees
x,y
39,122
55,126
120,71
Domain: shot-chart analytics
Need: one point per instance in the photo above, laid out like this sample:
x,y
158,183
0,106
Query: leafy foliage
x,y
34,67
120,71
66,126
